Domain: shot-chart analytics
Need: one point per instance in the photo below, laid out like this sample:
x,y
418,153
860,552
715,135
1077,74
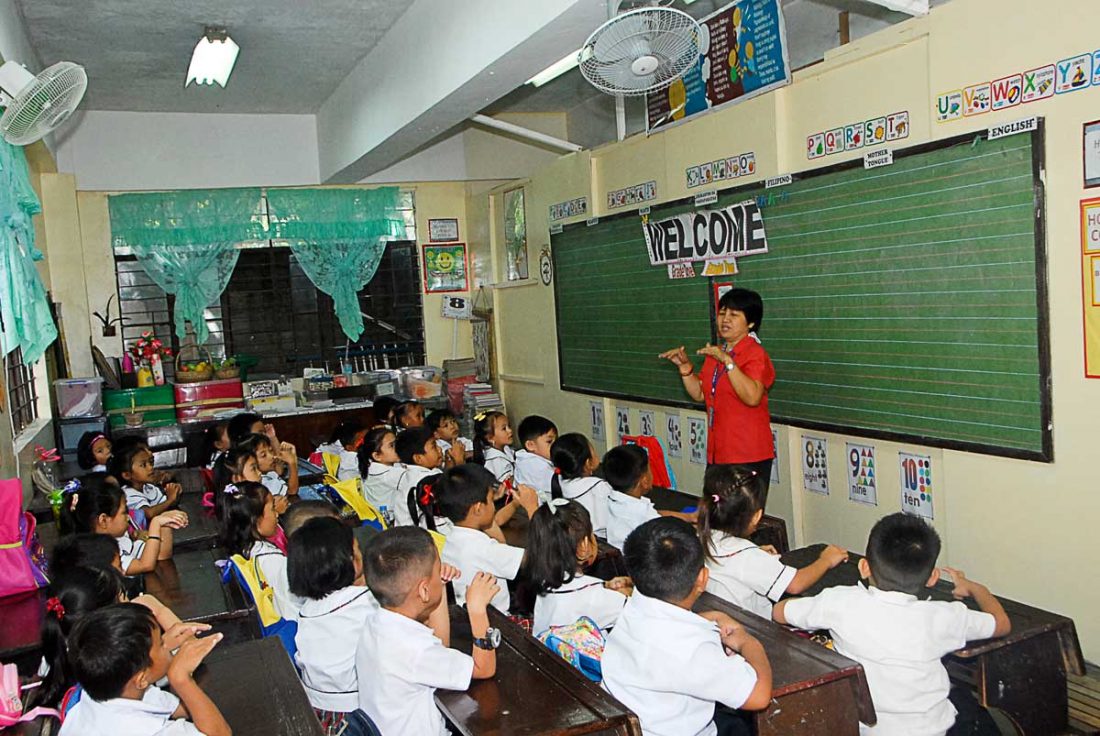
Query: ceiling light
x,y
213,59
556,69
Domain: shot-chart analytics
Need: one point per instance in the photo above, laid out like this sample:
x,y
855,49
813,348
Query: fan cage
x,y
45,104
670,36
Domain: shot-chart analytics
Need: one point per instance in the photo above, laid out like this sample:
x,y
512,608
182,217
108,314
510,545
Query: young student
x,y
378,457
117,653
98,505
574,461
298,514
404,653
493,445
325,570
465,496
445,425
83,549
243,424
236,465
344,443
668,664
533,465
420,454
408,415
267,455
249,522
560,545
898,638
383,411
740,572
215,442
626,469
93,451
133,467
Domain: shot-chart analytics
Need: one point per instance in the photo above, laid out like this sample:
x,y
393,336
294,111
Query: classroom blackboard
x,y
906,302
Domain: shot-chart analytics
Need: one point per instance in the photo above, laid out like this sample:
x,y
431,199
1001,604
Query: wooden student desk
x,y
255,686
814,690
1022,674
534,691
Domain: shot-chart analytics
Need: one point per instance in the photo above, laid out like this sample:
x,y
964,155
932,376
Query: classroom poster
x,y
622,422
595,414
916,484
673,438
697,440
706,235
445,268
815,471
648,423
862,483
742,53
775,457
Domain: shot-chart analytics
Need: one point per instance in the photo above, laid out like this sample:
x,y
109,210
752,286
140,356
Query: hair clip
x,y
97,438
54,606
426,495
715,497
232,491
481,415
556,503
72,486
557,471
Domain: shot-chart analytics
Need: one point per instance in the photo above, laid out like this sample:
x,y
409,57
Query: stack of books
x,y
459,373
478,398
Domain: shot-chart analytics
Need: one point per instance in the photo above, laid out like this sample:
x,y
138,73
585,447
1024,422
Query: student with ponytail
x,y
493,445
574,461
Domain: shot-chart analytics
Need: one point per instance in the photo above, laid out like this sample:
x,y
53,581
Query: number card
x,y
916,484
862,485
697,439
595,412
649,424
622,422
815,472
775,458
673,438
457,307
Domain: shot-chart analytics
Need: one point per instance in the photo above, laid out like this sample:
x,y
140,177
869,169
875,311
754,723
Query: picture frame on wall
x,y
1090,145
444,230
446,268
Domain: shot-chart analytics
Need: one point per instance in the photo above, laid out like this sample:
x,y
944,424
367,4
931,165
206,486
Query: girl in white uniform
x,y
574,461
344,443
493,445
560,545
378,457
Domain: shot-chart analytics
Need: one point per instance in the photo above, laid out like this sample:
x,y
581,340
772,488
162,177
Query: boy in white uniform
x,y
898,638
421,456
626,469
403,654
533,466
668,664
117,654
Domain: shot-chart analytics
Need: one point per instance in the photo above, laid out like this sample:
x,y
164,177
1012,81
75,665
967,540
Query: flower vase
x,y
158,369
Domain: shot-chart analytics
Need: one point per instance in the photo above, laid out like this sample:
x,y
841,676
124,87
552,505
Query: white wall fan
x,y
36,105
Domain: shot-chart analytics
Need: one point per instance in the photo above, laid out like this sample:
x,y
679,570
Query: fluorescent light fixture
x,y
213,59
556,69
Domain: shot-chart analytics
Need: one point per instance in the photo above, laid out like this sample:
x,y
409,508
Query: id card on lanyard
x,y
718,370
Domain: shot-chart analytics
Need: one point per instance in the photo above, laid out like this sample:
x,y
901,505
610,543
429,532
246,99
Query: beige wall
x,y
1025,528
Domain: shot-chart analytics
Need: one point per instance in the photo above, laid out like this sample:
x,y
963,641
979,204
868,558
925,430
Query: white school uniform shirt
x,y
501,463
149,495
380,484
146,717
349,461
591,493
408,480
535,471
625,514
444,445
129,550
582,596
328,631
668,665
272,563
100,468
274,483
746,575
899,640
403,663
473,551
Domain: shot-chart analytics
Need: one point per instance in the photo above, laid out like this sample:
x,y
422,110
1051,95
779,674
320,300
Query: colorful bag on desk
x,y
663,475
22,561
11,701
251,578
351,493
580,644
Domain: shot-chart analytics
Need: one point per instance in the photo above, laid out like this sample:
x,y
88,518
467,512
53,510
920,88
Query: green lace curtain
x,y
25,319
338,237
187,242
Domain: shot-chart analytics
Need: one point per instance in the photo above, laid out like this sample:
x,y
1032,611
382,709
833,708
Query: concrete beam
x,y
912,7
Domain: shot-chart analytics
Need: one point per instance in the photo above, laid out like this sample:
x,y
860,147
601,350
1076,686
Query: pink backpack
x,y
11,700
22,561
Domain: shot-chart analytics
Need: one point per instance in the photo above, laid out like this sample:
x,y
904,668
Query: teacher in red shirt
x,y
734,383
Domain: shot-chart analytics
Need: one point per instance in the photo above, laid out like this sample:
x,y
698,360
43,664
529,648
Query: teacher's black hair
x,y
747,302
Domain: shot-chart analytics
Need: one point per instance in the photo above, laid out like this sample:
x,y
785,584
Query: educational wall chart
x,y
595,414
860,134
916,484
1090,284
622,422
697,440
632,195
815,470
570,208
673,438
723,169
862,483
743,53
1071,74
647,422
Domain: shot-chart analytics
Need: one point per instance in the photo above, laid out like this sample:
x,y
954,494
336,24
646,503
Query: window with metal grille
x,y
22,396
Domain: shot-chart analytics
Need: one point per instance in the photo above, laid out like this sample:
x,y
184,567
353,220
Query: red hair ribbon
x,y
54,606
426,496
557,471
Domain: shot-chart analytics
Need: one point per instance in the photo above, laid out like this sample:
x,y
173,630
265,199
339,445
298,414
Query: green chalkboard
x,y
906,302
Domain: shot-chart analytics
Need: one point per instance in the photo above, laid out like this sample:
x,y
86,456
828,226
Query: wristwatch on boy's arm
x,y
490,641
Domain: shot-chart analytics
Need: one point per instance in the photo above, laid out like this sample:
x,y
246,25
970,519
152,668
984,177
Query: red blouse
x,y
737,432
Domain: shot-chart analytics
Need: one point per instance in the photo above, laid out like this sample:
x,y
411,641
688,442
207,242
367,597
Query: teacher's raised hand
x,y
678,356
714,351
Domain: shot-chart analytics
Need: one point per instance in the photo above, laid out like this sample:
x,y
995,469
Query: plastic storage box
x,y
422,382
196,402
79,397
156,406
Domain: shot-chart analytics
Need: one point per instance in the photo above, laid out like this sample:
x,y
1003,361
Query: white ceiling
x,y
293,52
